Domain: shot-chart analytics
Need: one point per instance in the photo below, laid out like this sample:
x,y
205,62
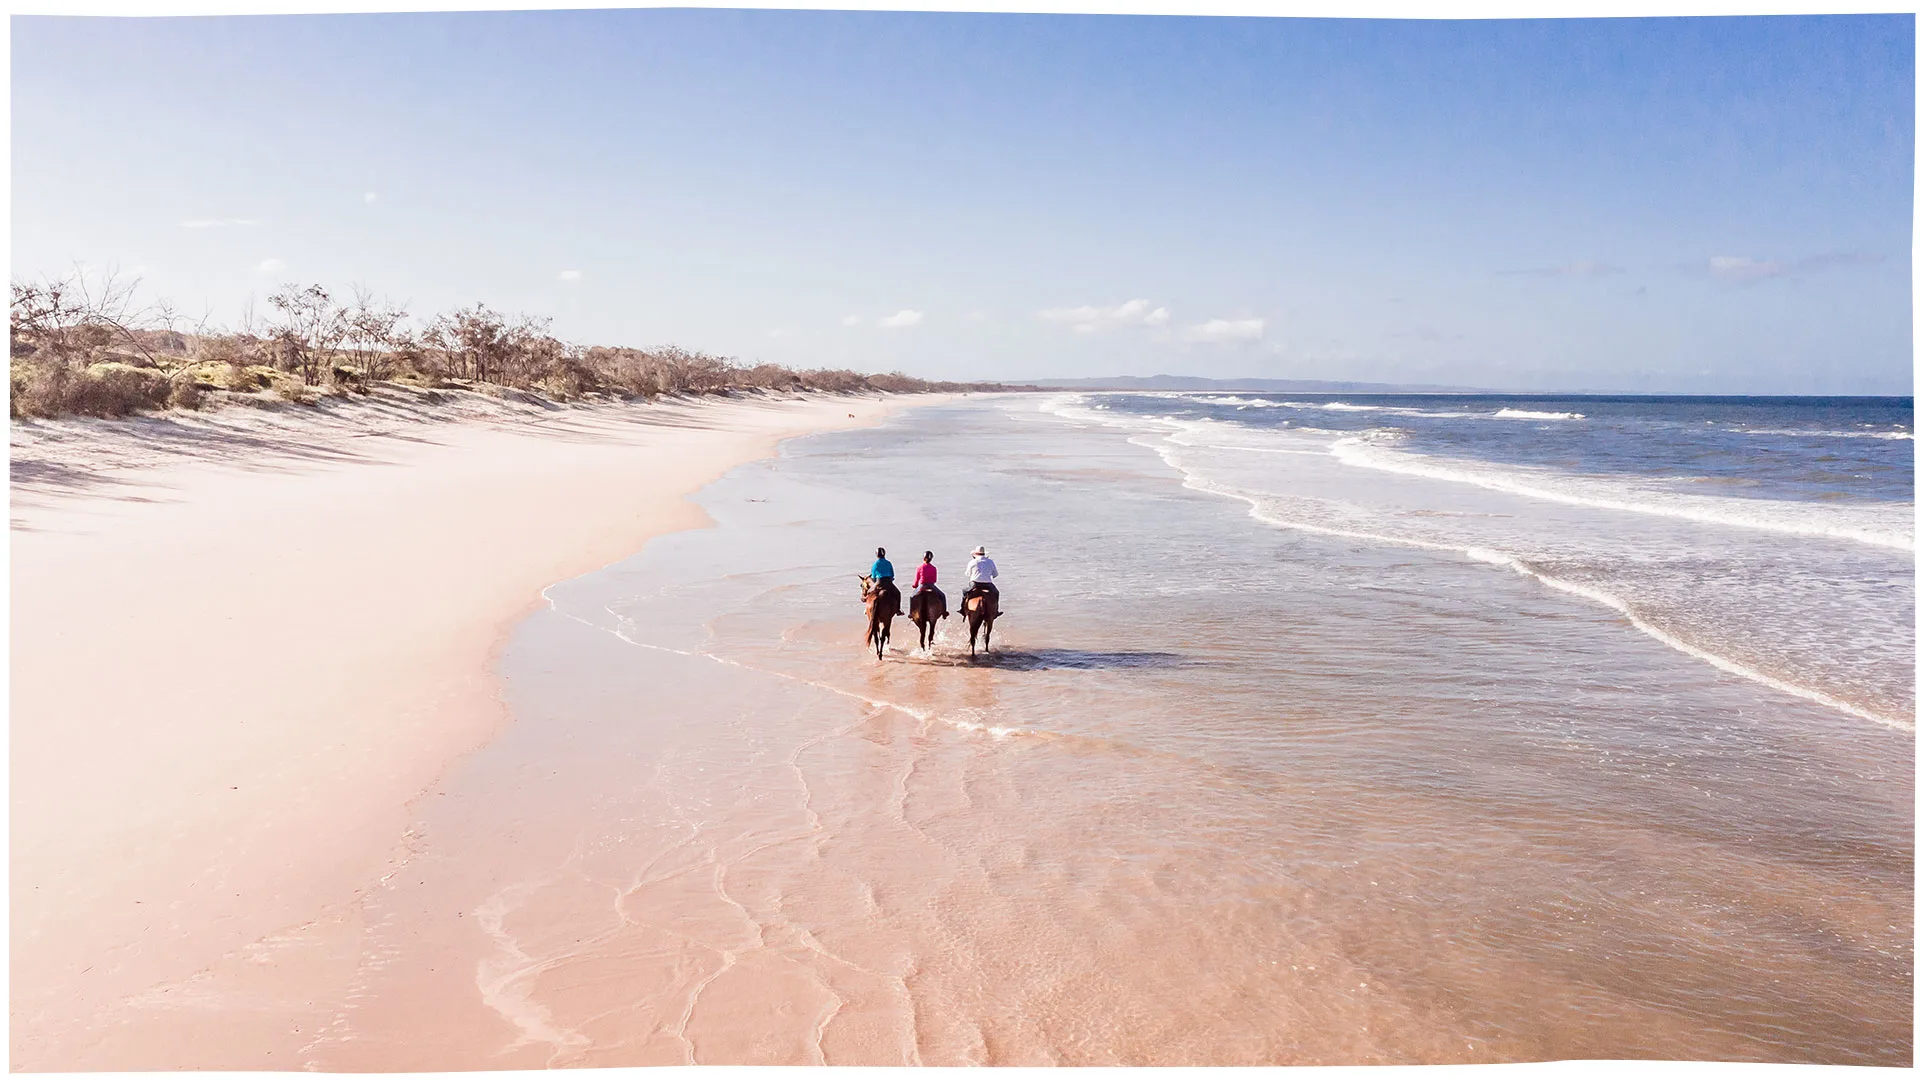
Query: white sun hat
x,y
981,550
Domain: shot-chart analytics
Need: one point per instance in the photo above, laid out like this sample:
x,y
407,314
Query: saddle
x,y
918,605
983,601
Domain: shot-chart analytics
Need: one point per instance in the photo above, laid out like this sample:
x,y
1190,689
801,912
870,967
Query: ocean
x,y
1318,730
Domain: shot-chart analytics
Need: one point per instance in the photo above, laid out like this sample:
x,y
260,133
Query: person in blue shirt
x,y
882,575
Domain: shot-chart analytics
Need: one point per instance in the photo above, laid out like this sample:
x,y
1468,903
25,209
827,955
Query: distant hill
x,y
1259,386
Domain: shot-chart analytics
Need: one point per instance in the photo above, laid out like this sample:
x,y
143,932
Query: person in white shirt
x,y
980,575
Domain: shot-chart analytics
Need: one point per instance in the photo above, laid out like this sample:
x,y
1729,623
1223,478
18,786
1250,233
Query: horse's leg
x,y
989,635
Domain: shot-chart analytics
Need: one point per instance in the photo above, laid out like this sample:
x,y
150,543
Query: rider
x,y
980,575
924,576
882,574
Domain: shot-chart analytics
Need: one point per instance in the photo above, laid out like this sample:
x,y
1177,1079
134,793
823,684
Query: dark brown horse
x,y
883,606
926,610
980,610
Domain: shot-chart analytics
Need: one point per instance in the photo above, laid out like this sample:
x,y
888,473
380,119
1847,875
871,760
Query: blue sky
x,y
1689,205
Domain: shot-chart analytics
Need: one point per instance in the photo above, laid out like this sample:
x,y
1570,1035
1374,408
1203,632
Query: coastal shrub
x,y
87,348
770,377
292,390
58,389
115,389
237,377
16,390
569,379
185,393
419,369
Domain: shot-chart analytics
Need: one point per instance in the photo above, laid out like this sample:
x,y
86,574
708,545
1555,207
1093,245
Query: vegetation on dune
x,y
91,350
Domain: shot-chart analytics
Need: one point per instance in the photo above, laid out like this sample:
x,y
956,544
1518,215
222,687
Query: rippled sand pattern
x,y
1226,794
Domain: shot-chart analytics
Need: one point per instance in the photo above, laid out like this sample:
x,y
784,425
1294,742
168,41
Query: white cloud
x,y
570,275
1088,318
851,320
900,320
1222,331
271,266
1740,269
216,223
370,196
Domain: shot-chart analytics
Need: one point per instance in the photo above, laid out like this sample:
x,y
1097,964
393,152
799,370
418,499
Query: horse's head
x,y
866,586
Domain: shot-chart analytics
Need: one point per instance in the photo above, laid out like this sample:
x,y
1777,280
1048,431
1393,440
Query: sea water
x,y
1316,731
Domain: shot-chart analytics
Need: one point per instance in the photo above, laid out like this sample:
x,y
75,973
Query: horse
x,y
883,606
980,610
926,610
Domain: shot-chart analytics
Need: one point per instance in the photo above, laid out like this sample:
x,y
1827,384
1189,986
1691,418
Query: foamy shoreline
x,y
245,643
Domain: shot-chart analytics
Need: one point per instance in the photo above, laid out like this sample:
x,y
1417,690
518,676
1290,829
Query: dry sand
x,y
244,643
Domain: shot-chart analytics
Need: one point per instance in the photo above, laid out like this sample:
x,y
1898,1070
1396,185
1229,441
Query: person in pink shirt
x,y
923,578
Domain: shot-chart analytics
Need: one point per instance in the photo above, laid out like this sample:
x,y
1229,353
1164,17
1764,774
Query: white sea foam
x,y
925,716
1878,526
1392,410
1529,414
1258,403
1261,508
1906,436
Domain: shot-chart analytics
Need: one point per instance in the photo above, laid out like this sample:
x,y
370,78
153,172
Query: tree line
x,y
81,347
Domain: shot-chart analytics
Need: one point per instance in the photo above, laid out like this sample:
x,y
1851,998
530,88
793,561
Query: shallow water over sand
x,y
1225,793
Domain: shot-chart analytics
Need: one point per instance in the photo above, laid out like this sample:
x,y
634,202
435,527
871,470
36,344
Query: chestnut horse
x,y
980,610
926,610
883,606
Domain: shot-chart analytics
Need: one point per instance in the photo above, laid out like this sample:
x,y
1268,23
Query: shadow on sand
x,y
1049,659
106,458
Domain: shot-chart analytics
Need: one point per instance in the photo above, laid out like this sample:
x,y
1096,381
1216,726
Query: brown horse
x,y
883,606
926,610
980,610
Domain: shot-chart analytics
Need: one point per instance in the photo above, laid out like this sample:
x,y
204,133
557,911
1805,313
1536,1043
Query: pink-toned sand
x,y
244,643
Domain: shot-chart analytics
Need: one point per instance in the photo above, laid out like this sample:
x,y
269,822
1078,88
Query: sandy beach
x,y
245,643
494,735
1261,815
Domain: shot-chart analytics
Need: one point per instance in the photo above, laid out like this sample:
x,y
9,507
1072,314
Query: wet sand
x,y
243,645
1325,803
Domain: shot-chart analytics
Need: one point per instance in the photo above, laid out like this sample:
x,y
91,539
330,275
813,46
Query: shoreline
x,y
255,642
723,833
